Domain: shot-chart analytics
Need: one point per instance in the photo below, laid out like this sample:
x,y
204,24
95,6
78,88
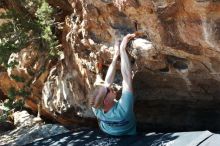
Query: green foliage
x,y
11,93
18,78
12,64
44,15
22,29
15,34
4,116
11,104
23,93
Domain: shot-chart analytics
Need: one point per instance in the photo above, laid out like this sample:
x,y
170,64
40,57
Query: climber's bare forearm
x,y
112,68
125,64
125,70
111,72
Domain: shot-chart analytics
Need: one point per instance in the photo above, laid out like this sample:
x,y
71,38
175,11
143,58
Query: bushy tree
x,y
44,19
17,32
21,29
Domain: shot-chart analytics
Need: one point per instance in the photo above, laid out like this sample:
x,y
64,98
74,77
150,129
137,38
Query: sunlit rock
x,y
175,61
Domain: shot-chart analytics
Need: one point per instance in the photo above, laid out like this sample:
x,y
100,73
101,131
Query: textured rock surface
x,y
27,130
175,60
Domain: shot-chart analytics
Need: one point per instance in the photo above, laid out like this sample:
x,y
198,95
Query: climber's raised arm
x,y
112,68
125,64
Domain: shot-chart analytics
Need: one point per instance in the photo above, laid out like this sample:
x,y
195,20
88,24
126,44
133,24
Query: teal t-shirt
x,y
120,119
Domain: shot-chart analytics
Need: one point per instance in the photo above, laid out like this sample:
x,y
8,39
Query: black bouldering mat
x,y
94,137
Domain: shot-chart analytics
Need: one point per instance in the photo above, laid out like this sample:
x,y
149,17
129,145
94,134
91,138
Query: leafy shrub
x,y
11,104
21,29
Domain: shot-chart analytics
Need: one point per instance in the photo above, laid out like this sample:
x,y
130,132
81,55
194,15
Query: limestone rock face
x,y
175,60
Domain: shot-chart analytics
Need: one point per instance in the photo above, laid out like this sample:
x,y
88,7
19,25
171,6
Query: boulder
x,y
174,62
26,129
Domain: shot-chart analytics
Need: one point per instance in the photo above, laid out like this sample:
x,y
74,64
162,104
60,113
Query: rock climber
x,y
116,117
